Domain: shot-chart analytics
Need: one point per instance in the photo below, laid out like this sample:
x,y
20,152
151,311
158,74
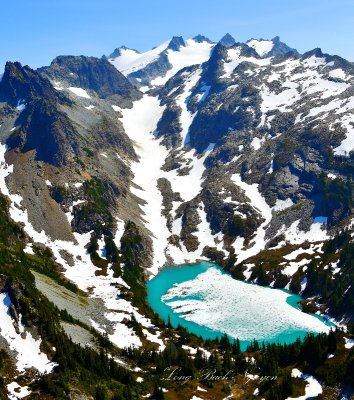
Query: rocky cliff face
x,y
93,74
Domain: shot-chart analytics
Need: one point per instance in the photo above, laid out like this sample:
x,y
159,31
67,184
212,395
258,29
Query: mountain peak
x,y
21,82
280,48
317,52
90,73
270,48
176,43
201,39
227,40
118,52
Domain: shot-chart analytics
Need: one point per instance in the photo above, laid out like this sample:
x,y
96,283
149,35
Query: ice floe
x,y
218,301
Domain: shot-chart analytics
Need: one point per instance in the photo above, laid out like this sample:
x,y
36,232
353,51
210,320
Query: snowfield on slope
x,y
192,54
140,123
131,60
293,234
24,344
313,388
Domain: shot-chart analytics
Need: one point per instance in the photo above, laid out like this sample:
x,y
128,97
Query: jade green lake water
x,y
209,302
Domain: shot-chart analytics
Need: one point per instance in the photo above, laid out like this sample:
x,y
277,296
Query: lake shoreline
x,y
178,277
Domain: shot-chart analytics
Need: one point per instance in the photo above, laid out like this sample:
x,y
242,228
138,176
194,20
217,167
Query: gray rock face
x,y
47,130
227,40
158,67
91,73
41,126
176,43
20,83
280,48
201,39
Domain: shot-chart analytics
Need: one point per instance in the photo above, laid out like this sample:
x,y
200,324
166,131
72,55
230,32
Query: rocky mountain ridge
x,y
156,66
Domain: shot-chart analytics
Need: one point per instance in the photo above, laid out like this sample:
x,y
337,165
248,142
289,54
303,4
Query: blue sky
x,y
35,31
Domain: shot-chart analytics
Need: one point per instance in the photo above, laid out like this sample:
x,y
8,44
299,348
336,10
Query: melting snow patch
x,y
293,255
28,249
292,267
349,343
186,118
119,232
258,202
116,108
16,391
58,86
21,105
313,388
331,176
277,101
91,107
27,348
101,247
206,90
347,144
316,233
282,204
337,73
257,143
271,167
235,58
79,92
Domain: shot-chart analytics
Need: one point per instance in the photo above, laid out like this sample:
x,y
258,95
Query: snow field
x,y
193,53
79,92
262,47
235,58
312,389
24,344
140,123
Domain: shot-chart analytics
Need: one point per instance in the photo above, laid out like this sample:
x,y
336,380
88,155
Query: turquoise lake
x,y
209,302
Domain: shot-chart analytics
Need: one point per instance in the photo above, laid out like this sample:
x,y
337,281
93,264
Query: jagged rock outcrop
x,y
20,84
93,74
227,40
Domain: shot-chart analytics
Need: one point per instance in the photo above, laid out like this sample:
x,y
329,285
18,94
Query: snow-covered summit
x,y
268,48
156,66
